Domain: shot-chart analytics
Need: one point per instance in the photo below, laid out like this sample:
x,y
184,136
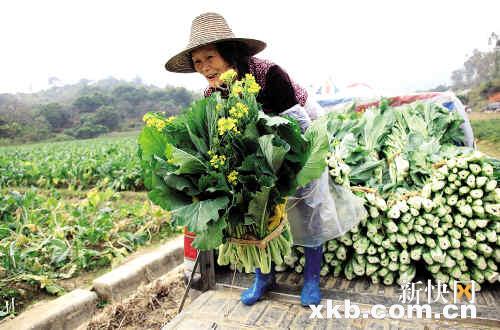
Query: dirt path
x,y
151,307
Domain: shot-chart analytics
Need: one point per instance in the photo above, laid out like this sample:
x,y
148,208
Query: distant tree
x,y
181,96
137,80
6,129
130,93
108,83
56,115
440,88
53,81
107,116
90,103
494,41
490,87
158,95
479,67
457,77
86,109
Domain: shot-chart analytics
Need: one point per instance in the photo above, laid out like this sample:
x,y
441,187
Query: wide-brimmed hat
x,y
206,29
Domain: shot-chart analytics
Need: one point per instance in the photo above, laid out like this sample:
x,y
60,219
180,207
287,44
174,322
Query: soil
x,y
151,307
33,295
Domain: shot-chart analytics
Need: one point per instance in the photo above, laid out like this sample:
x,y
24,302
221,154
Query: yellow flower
x,y
157,122
237,88
251,85
227,124
238,111
228,76
217,161
219,107
232,177
170,119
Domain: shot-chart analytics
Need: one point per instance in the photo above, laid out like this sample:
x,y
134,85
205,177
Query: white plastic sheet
x,y
322,211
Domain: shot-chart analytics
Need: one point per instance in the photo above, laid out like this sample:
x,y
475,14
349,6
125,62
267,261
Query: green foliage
x,y
388,147
90,103
489,87
478,68
223,165
103,162
56,115
130,94
480,75
114,104
45,237
87,131
487,130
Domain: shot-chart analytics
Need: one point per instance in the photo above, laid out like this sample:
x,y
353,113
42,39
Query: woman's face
x,y
209,63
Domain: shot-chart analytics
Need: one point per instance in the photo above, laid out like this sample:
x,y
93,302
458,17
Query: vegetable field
x,y
62,214
46,236
105,163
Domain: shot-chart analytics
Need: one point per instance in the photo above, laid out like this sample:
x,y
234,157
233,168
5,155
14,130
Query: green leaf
x,y
54,289
362,173
212,182
251,133
213,237
151,142
198,142
315,163
197,215
181,183
374,129
255,165
187,163
274,154
257,209
166,197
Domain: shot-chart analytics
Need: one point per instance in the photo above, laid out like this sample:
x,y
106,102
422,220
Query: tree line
x,y
85,109
480,75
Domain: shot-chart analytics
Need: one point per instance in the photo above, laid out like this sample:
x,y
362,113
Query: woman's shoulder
x,y
265,71
259,67
256,61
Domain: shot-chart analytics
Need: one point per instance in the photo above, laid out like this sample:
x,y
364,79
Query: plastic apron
x,y
321,210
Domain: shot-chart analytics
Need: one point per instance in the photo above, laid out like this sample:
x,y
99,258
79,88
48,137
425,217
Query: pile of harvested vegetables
x,y
430,202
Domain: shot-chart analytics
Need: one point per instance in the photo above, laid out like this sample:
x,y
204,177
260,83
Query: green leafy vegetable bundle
x,y
433,206
224,169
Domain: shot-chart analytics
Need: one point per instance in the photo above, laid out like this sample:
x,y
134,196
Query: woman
x,y
212,50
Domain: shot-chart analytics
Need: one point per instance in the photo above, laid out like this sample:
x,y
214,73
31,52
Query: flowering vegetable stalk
x,y
224,169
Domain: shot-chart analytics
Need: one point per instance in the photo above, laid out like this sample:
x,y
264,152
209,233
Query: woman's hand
x,y
298,113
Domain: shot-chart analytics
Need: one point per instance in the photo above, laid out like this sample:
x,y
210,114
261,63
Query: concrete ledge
x,y
65,312
77,307
125,279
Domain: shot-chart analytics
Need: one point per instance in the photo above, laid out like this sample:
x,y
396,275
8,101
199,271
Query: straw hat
x,y
206,29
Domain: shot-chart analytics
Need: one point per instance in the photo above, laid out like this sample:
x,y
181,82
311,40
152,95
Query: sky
x,y
394,46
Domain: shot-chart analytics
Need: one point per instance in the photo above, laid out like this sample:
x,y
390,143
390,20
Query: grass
x,y
486,127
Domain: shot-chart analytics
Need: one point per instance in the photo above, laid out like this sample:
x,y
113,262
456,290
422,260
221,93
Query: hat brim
x,y
182,62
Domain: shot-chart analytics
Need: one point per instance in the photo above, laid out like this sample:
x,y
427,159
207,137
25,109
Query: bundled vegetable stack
x,y
430,203
464,189
224,169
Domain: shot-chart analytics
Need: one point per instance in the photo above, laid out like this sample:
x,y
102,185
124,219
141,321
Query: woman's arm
x,y
278,94
279,97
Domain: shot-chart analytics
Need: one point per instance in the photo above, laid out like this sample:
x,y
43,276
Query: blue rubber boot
x,y
262,283
311,295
